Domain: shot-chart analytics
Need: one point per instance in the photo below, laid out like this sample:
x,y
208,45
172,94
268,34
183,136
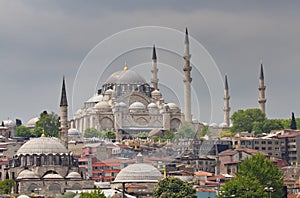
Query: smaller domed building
x,y
138,179
44,165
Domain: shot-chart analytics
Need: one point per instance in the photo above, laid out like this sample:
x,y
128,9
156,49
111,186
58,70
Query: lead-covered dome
x,y
27,174
136,106
42,145
125,77
138,173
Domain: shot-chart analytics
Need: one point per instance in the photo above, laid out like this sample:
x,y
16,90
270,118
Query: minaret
x,y
187,79
226,103
262,98
64,115
154,79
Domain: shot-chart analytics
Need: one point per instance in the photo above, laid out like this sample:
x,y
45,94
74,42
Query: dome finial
x,y
125,66
43,133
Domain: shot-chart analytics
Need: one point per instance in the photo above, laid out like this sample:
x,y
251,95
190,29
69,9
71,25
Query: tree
x,y
108,134
174,187
168,134
226,133
23,131
267,125
142,135
92,132
243,120
204,131
94,194
255,174
186,131
6,186
48,122
293,122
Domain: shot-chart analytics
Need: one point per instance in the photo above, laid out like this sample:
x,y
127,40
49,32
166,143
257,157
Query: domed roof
x,y
223,125
42,145
173,105
95,99
139,172
213,125
137,105
9,123
155,93
32,121
78,111
53,176
125,77
73,175
109,91
102,105
152,106
27,174
73,132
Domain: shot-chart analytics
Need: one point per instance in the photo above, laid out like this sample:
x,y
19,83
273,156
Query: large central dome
x,y
42,145
125,77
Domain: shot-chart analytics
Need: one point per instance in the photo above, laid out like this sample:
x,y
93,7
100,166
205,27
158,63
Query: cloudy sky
x,y
43,40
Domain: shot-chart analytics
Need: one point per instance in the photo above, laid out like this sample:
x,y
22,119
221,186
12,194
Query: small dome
x,y
205,124
9,123
152,106
73,132
42,145
155,93
53,176
32,122
121,105
73,175
138,173
78,112
223,125
172,106
137,105
27,174
102,106
95,99
194,120
109,91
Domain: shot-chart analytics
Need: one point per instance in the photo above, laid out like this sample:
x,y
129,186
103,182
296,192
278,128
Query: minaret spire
x,y
226,103
262,98
187,79
154,70
64,115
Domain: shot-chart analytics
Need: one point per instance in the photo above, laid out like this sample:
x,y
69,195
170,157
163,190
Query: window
x,y
263,148
270,148
269,142
263,142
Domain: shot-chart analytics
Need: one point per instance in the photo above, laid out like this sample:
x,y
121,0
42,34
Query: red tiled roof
x,y
203,173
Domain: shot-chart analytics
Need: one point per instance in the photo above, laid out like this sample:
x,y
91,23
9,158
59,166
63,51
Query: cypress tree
x,y
293,122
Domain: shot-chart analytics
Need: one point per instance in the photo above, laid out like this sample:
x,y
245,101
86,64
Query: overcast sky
x,y
40,41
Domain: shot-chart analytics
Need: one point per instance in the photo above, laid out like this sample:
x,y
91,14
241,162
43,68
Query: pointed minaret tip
x,y
261,76
125,66
63,101
226,82
154,53
186,36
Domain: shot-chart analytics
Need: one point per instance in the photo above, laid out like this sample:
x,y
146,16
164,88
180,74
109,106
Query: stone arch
x,y
141,121
76,186
31,188
50,172
175,124
106,123
54,188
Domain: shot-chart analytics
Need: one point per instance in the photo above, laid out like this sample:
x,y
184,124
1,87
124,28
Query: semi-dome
x,y
139,172
73,132
213,125
125,77
136,105
53,176
109,91
9,123
95,99
27,174
32,121
152,106
102,105
172,106
73,175
42,145
222,125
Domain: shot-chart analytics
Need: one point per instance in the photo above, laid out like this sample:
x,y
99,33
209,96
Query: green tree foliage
x,y
23,131
186,131
243,120
92,132
267,125
6,186
255,174
175,188
226,133
142,135
94,194
204,131
293,122
108,134
168,134
66,195
48,122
